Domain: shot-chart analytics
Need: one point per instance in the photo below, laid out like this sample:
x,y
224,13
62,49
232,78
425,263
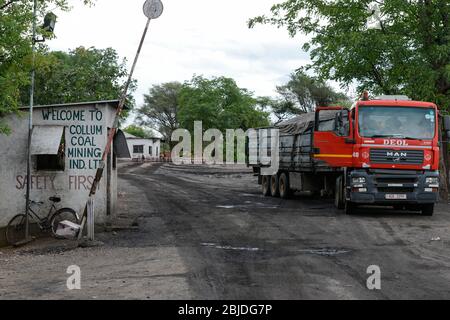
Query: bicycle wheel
x,y
15,231
65,214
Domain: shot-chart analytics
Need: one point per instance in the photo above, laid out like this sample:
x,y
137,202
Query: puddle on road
x,y
320,252
324,252
48,251
248,205
216,246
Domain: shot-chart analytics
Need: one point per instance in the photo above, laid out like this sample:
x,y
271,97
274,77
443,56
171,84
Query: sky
x,y
202,37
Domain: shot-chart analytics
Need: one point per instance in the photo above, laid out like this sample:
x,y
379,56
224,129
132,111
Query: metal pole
x,y
30,127
91,219
113,131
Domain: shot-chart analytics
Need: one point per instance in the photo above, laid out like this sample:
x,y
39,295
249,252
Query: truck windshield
x,y
397,122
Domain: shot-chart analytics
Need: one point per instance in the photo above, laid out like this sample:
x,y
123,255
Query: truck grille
x,y
396,180
386,156
396,190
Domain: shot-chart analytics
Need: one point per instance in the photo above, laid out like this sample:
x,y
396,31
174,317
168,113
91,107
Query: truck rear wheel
x,y
339,194
274,186
283,186
266,186
428,210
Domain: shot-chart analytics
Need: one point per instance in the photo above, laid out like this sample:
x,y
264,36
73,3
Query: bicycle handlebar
x,y
36,202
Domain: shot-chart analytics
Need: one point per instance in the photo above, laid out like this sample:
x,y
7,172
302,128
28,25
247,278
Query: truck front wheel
x,y
350,208
339,194
266,186
428,210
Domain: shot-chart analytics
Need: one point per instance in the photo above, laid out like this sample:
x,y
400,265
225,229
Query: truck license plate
x,y
396,197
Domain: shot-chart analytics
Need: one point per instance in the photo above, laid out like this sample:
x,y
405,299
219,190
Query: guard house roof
x,y
132,137
46,139
113,103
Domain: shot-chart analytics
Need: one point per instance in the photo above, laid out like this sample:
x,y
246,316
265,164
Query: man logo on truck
x,y
397,154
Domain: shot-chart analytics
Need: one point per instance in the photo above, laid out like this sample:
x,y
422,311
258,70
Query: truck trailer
x,y
382,152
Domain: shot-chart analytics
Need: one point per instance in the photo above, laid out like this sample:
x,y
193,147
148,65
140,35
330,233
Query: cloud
x,y
204,37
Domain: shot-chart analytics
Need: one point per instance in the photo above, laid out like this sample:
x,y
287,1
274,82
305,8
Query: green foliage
x,y
81,75
160,108
220,104
302,94
389,47
306,93
280,108
15,48
138,131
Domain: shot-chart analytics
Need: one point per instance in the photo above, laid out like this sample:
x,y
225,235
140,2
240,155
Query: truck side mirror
x,y
447,123
338,120
341,126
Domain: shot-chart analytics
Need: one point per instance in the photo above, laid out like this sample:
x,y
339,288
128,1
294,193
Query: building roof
x,y
76,104
131,137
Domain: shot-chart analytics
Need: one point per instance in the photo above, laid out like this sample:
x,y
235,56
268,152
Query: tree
x,y
306,93
160,109
220,104
138,132
281,109
81,75
302,94
389,46
15,48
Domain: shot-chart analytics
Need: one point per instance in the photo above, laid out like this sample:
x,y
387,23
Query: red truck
x,y
382,152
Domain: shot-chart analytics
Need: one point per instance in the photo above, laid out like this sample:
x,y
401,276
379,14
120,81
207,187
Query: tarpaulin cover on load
x,y
302,123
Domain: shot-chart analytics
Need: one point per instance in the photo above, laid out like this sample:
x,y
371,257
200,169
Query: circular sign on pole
x,y
153,9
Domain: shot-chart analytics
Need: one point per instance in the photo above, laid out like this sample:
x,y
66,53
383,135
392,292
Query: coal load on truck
x,y
296,140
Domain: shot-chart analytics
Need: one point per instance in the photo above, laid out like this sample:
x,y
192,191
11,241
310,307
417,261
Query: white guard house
x,y
140,148
67,145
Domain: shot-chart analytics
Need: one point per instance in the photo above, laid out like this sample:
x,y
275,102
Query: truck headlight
x,y
359,180
432,180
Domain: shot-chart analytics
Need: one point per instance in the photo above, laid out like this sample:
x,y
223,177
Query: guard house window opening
x,y
48,148
138,149
150,151
51,162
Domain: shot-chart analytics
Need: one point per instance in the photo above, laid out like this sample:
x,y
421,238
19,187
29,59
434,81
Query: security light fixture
x,y
48,26
49,22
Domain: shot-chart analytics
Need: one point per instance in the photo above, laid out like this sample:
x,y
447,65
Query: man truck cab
x,y
390,155
384,151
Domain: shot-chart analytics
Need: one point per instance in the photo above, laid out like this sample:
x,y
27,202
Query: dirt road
x,y
208,233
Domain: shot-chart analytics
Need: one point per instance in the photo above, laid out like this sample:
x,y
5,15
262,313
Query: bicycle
x,y
15,231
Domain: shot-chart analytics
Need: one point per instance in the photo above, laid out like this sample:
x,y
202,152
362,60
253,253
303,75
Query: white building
x,y
140,148
67,145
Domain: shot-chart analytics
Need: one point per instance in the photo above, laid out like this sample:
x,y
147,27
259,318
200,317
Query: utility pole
x,y
49,25
30,124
